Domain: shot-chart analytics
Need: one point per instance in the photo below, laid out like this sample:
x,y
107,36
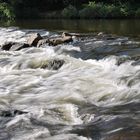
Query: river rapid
x,y
94,95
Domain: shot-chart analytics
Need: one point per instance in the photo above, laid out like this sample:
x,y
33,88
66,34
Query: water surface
x,y
119,27
93,95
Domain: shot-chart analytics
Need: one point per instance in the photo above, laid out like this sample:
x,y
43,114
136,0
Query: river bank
x,y
88,10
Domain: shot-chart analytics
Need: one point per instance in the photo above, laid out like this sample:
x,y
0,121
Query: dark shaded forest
x,y
71,9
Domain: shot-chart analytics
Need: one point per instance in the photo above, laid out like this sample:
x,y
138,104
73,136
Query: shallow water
x,y
94,95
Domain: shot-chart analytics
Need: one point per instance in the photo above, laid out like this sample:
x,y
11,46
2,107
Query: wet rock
x,y
42,42
18,46
123,60
102,35
55,64
14,46
11,113
64,34
65,38
33,39
75,34
50,64
60,40
7,45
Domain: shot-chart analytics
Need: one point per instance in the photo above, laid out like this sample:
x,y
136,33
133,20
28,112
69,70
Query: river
x,y
93,95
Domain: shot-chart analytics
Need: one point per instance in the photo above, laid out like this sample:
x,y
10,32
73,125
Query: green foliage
x,y
113,11
101,10
9,9
70,12
6,12
92,10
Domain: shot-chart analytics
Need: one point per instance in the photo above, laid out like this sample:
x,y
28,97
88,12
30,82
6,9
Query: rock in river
x,y
11,113
13,46
7,45
33,39
18,46
42,41
60,40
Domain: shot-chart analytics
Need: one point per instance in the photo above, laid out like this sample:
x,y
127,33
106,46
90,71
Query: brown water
x,y
119,27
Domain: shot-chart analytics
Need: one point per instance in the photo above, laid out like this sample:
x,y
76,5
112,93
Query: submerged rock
x,y
19,46
55,64
13,46
47,64
33,39
11,113
7,45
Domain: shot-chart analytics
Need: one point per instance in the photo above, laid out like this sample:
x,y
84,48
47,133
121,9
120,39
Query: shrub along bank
x,y
94,10
6,11
70,9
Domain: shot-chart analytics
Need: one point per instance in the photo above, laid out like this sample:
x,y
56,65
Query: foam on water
x,y
53,97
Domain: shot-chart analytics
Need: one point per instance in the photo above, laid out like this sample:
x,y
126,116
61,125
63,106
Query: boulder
x,y
42,41
67,39
33,39
18,46
14,46
60,40
7,45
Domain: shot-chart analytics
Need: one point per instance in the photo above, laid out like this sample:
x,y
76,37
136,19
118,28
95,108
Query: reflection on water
x,y
120,27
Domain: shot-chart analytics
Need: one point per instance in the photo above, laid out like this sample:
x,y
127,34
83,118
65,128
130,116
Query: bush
x,y
92,10
70,12
6,12
113,11
86,13
100,10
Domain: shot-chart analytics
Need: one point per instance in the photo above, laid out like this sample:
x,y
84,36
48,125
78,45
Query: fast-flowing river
x,y
93,95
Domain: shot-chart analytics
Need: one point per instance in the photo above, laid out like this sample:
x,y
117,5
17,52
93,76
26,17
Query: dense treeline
x,y
69,8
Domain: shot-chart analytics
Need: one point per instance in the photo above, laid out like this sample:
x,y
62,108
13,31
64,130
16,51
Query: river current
x,y
94,95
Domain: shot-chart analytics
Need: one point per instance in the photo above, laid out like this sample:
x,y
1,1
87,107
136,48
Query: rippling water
x,y
94,95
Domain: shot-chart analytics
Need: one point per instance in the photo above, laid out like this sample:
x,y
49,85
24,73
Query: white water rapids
x,y
85,99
